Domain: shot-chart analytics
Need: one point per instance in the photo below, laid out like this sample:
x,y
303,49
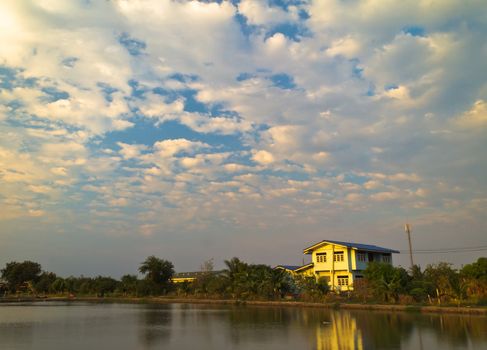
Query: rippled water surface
x,y
50,325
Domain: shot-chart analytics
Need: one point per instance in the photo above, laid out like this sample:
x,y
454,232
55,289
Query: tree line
x,y
436,284
28,278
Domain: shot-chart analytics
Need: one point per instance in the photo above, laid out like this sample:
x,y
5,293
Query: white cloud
x,y
188,162
385,196
347,47
147,230
119,202
398,93
40,189
154,106
169,148
61,171
476,117
353,124
130,151
263,157
258,13
36,212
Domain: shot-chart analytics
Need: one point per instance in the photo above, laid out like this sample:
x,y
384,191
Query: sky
x,y
196,130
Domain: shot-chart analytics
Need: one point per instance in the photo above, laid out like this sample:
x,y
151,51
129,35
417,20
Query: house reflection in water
x,y
341,333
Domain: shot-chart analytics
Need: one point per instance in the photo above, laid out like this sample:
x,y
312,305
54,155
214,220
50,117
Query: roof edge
x,y
356,246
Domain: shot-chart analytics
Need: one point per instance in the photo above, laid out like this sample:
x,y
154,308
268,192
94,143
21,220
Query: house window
x,y
321,257
387,258
338,256
362,257
342,280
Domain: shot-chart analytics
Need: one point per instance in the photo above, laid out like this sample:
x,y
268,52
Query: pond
x,y
78,325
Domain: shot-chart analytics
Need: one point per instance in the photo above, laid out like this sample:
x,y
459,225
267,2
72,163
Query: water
x,y
60,325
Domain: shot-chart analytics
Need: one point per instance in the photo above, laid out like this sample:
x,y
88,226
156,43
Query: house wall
x,y
182,279
333,270
336,276
330,264
360,265
309,272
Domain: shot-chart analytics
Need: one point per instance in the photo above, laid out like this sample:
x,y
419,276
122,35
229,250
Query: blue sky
x,y
196,130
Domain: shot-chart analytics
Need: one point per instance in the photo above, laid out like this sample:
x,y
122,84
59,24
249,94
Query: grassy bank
x,y
346,306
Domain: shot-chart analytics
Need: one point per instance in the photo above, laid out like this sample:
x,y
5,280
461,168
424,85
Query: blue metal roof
x,y
195,274
359,246
289,267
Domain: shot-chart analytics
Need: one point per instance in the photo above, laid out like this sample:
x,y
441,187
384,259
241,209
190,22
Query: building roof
x,y
294,268
305,267
194,274
288,267
358,246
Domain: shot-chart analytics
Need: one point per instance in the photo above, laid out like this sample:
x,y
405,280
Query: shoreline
x,y
465,310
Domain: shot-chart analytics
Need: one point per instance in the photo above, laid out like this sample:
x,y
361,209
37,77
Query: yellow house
x,y
189,277
182,277
340,263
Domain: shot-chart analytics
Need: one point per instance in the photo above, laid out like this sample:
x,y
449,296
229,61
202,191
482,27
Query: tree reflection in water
x,y
208,327
330,329
155,324
381,330
258,323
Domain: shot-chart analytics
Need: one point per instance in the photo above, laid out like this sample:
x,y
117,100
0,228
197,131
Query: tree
x,y
445,280
104,285
207,266
312,289
203,280
254,280
17,275
419,287
236,275
474,280
476,270
58,286
159,272
128,284
386,281
45,281
281,282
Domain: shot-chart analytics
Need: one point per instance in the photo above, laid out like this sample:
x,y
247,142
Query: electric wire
x,y
446,250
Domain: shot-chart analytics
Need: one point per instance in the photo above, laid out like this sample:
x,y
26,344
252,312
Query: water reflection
x,y
373,330
183,326
287,328
341,332
155,321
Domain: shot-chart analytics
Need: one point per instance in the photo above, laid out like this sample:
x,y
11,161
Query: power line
x,y
448,250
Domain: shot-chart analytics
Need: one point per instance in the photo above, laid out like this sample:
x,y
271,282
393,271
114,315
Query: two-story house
x,y
343,263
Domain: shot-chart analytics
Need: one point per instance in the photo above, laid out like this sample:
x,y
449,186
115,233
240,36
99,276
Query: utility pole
x,y
407,228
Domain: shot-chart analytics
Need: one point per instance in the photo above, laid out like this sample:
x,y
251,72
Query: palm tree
x,y
235,274
158,271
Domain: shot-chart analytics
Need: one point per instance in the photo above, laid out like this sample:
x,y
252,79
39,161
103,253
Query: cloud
x,y
36,212
347,47
168,148
263,157
203,120
130,151
259,13
119,202
61,171
385,196
476,117
147,230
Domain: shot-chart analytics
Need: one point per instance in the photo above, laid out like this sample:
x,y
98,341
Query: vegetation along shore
x,y
437,288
